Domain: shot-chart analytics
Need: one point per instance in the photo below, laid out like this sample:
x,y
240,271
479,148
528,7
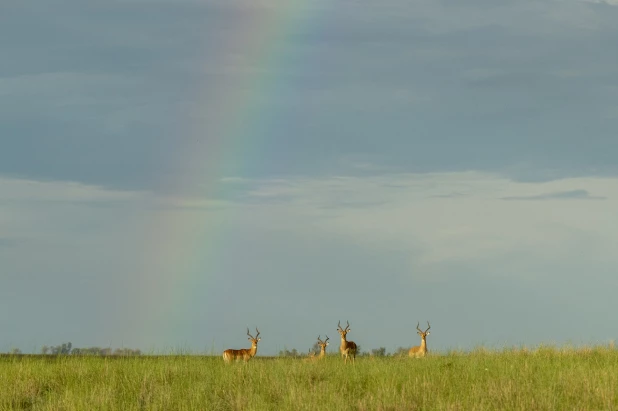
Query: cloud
x,y
21,191
607,2
8,242
560,195
448,195
438,217
143,96
402,237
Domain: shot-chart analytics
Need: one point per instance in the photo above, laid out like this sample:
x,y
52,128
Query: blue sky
x,y
451,161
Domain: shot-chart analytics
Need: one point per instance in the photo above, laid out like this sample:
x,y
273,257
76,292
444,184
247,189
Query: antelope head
x,y
342,331
253,340
422,333
323,344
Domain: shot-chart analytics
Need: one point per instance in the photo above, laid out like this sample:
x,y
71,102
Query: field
x,y
526,379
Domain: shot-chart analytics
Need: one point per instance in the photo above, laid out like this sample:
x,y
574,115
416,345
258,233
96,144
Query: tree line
x,y
375,352
68,349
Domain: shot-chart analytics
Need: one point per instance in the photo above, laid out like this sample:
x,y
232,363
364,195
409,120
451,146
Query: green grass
x,y
542,378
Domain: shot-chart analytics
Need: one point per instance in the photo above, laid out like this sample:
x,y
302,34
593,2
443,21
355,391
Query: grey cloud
x,y
289,257
559,195
477,3
449,195
413,86
6,242
352,204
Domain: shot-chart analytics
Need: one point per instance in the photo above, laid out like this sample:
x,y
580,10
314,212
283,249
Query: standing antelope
x,y
245,353
420,350
346,348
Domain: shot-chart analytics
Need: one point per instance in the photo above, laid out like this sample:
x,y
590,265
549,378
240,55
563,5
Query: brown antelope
x,y
310,356
420,350
245,353
322,345
322,355
346,348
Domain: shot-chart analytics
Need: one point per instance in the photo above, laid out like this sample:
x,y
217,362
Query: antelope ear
x,y
428,333
259,338
248,338
327,343
419,333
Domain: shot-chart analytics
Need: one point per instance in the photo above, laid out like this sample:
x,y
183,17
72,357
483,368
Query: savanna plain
x,y
549,378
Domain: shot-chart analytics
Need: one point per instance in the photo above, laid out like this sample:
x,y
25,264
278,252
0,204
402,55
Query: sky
x,y
175,171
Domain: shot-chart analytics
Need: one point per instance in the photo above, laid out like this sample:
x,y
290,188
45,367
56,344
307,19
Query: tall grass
x,y
541,378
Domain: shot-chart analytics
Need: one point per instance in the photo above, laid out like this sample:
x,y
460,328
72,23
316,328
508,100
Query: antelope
x,y
420,350
312,357
245,353
346,348
322,345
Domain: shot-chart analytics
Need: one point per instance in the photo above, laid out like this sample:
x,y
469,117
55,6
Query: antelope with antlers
x,y
310,356
245,353
322,345
346,348
322,355
420,350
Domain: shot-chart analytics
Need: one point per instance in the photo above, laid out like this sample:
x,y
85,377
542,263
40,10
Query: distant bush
x,y
67,348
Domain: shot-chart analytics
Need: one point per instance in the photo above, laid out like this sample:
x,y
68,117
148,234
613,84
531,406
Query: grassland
x,y
542,378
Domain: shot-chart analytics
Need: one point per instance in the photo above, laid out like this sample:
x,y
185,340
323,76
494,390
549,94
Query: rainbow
x,y
230,129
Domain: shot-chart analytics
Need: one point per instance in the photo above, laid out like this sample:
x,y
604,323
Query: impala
x,y
346,348
420,350
322,355
245,353
322,345
310,356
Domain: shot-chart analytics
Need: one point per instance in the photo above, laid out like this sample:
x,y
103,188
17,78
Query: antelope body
x,y
245,353
346,348
420,350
